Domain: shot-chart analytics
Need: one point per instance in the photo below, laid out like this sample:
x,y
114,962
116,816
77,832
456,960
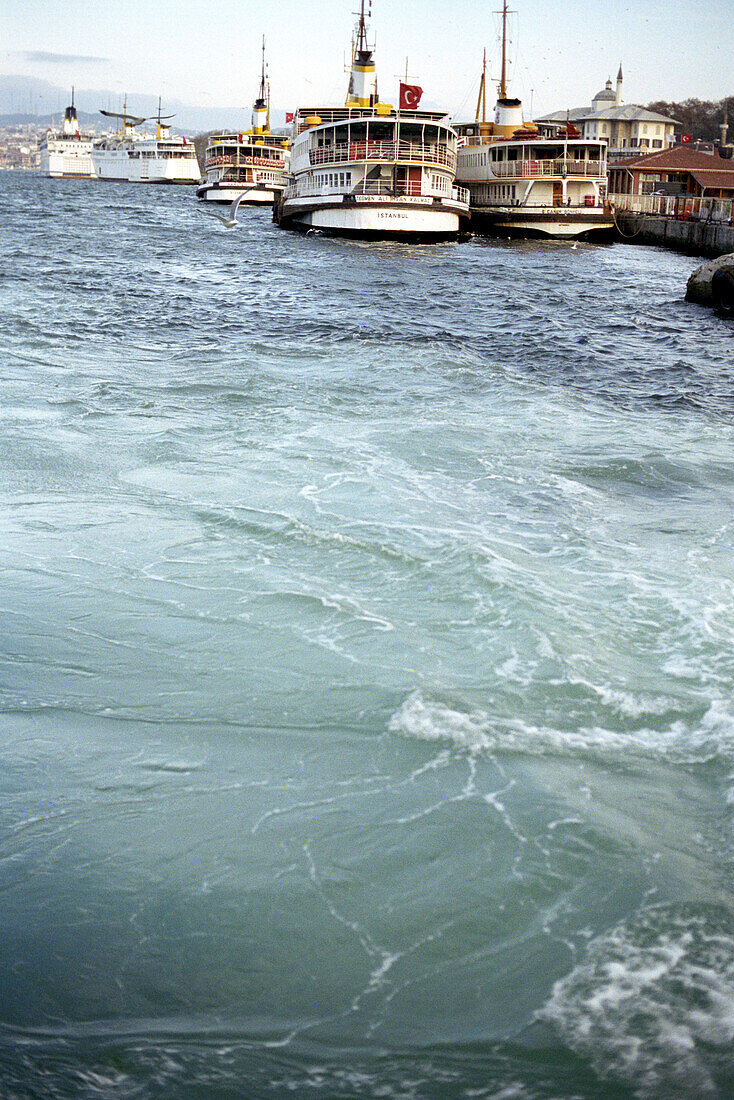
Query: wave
x,y
652,1004
476,731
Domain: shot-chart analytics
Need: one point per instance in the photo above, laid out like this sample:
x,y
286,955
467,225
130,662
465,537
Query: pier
x,y
700,226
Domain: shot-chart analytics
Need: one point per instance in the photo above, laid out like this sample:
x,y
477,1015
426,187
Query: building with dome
x,y
627,128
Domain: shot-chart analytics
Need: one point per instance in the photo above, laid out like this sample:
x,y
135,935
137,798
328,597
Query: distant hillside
x,y
698,117
25,100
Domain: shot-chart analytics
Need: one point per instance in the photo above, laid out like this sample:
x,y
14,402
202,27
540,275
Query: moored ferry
x,y
251,167
135,157
67,153
368,170
530,180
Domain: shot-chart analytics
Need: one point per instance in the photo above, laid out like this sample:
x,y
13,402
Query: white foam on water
x,y
474,731
652,1004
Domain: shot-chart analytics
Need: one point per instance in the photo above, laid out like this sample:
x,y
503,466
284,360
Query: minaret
x,y
618,96
362,90
724,126
71,122
261,106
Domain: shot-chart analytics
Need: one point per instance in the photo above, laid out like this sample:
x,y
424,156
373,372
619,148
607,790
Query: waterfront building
x,y
624,126
681,170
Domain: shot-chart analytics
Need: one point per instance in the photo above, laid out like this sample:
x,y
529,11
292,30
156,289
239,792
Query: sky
x,y
208,54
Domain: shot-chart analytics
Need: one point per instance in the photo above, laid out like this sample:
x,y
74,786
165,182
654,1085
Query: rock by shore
x,y
712,284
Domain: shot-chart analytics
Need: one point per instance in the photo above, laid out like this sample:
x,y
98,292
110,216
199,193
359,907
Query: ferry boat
x,y
135,157
251,167
368,170
67,153
529,180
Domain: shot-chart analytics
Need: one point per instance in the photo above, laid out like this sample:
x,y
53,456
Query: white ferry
x,y
368,170
136,157
251,167
67,153
526,180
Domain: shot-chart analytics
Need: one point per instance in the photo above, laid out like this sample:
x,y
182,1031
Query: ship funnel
x,y
261,106
71,123
362,91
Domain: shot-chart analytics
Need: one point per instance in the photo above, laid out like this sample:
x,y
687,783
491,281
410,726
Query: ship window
x,y
381,131
410,132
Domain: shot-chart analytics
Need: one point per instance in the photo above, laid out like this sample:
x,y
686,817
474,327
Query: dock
x,y
699,226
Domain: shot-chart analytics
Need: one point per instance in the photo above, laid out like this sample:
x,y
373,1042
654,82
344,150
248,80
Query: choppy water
x,y
367,663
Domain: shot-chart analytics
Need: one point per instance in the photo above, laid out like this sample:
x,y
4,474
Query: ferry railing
x,y
226,160
376,188
346,152
537,168
682,207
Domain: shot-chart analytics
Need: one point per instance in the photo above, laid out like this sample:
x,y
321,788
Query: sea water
x,y
367,662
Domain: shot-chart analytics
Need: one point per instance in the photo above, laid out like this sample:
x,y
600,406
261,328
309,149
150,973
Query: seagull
x,y
230,221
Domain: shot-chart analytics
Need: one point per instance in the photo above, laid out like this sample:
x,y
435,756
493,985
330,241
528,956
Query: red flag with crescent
x,y
410,96
289,116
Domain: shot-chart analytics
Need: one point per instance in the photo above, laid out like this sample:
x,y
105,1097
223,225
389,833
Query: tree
x,y
699,118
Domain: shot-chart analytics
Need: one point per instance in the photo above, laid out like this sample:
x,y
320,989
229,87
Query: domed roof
x,y
606,95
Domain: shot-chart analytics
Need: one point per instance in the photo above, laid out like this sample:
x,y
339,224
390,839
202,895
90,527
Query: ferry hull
x,y
250,196
371,222
59,166
118,170
556,222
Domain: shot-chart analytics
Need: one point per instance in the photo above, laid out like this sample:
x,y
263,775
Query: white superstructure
x,y
67,152
251,167
529,180
136,157
369,170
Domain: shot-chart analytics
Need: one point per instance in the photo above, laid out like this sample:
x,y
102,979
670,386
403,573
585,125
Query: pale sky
x,y
208,54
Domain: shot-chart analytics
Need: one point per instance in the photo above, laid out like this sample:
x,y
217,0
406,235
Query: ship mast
x,y
482,97
503,77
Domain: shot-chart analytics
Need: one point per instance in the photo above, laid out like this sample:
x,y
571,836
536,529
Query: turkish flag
x,y
289,116
686,138
410,96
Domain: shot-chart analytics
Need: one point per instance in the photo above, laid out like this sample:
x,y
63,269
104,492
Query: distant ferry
x,y
251,167
528,180
368,170
135,157
67,153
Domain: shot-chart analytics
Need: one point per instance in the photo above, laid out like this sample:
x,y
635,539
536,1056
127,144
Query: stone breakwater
x,y
702,238
712,284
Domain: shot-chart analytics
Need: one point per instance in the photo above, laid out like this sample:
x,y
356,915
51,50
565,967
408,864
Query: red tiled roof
x,y
714,178
678,159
